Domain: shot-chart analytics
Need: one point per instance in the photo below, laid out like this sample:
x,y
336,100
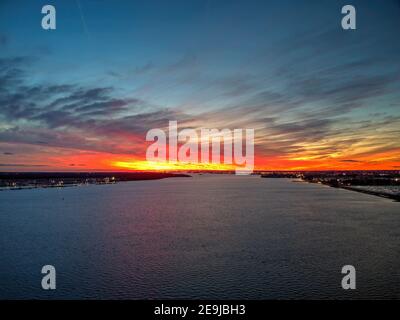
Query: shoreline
x,y
394,197
27,181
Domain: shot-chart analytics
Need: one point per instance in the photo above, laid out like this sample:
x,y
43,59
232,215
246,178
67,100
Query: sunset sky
x,y
83,96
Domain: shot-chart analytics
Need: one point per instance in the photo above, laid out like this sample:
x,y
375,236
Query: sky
x,y
83,96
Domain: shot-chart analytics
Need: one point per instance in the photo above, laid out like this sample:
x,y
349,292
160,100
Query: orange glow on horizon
x,y
81,160
144,165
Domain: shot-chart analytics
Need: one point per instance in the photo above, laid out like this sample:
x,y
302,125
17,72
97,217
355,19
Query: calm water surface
x,y
210,236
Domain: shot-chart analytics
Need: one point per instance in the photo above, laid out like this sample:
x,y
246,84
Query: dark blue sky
x,y
286,68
